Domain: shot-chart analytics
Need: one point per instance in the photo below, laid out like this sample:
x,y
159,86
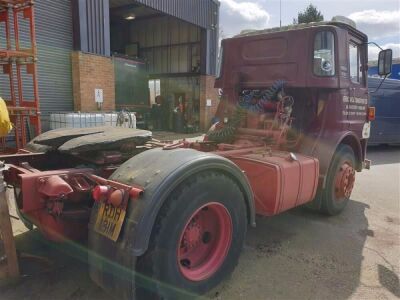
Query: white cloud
x,y
377,24
373,50
237,15
250,11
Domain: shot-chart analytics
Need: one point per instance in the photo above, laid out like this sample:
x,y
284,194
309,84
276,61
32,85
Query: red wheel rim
x,y
204,242
344,181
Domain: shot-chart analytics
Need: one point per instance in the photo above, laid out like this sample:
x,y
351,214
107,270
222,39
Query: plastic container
x,y
86,120
76,120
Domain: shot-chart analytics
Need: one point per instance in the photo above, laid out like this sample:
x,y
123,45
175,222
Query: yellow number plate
x,y
109,221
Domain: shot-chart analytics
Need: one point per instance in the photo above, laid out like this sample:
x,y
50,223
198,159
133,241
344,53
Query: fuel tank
x,y
279,180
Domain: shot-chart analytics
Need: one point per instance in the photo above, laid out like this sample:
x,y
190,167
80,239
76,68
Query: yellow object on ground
x,y
5,123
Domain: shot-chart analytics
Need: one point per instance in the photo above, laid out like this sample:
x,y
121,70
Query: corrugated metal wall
x,y
204,13
198,12
168,44
55,43
92,20
93,26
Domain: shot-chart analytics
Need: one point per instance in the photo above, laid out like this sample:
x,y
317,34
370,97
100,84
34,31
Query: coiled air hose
x,y
226,133
247,100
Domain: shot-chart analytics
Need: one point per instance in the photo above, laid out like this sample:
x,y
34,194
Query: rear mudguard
x,y
159,172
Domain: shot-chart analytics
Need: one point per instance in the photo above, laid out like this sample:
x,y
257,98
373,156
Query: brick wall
x,y
90,72
207,92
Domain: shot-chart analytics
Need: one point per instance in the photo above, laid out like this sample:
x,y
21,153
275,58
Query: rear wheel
x,y
340,181
197,239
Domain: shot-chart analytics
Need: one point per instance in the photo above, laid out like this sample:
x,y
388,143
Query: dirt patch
x,y
268,249
392,220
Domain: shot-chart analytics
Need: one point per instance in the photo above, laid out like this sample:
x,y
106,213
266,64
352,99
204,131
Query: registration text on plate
x,y
109,221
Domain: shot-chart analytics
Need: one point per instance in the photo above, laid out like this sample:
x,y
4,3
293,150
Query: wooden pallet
x,y
9,268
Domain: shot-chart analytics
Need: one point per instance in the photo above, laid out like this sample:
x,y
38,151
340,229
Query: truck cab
x,y
324,67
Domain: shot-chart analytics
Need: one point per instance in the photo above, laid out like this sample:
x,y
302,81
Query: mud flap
x,y
316,203
111,265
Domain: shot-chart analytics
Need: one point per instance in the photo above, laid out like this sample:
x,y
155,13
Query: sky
x,y
379,19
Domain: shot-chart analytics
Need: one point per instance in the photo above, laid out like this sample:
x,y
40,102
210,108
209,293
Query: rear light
x,y
116,198
100,193
104,193
371,113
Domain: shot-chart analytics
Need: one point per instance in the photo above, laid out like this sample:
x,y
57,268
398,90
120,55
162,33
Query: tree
x,y
310,14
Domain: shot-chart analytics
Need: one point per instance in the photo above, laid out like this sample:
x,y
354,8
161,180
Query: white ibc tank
x,y
76,120
85,120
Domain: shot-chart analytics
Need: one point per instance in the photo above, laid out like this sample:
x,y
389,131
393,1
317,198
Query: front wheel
x,y
197,239
340,181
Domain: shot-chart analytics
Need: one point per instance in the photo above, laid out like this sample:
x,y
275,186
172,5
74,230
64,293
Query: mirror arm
x,y
373,43
379,86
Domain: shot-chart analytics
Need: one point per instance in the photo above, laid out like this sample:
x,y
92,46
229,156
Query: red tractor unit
x,y
171,219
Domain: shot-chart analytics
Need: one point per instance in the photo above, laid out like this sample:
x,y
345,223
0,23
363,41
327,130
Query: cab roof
x,y
339,24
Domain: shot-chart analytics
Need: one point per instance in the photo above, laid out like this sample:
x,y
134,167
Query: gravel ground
x,y
297,255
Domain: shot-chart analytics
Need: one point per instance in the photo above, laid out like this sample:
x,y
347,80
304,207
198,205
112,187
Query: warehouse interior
x,y
166,50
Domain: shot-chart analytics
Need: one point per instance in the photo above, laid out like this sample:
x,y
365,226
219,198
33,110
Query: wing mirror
x,y
385,62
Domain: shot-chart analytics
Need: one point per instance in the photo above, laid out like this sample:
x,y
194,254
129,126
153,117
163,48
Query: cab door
x,y
357,101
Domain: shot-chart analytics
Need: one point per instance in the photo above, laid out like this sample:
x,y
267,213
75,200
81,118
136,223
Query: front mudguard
x,y
324,149
159,172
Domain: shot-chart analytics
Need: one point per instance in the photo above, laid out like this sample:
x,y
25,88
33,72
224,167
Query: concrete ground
x,y
297,255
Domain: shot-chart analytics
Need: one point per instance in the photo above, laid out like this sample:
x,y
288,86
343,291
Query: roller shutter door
x,y
55,42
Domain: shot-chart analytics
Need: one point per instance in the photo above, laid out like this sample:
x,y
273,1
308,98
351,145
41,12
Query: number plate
x,y
109,221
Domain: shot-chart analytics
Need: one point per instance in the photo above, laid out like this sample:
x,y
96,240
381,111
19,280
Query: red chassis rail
x,y
58,202
55,201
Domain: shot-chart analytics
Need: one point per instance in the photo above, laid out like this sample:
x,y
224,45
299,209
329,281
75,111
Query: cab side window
x,y
354,61
324,54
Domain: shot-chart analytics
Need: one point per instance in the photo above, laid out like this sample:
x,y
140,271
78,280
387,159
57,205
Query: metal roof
x,y
203,13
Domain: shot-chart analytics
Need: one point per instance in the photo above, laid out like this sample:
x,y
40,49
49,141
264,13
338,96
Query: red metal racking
x,y
18,63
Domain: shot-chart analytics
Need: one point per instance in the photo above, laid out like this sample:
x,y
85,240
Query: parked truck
x,y
171,219
386,127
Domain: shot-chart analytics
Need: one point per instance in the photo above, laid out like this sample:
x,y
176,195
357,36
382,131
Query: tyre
x,y
340,181
197,239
